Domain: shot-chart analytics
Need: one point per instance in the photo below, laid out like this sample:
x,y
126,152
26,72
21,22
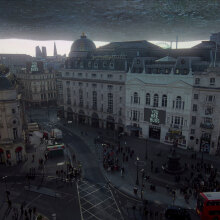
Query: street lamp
x,y
4,178
137,179
146,150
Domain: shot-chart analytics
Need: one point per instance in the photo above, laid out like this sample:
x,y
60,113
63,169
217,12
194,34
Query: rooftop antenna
x,y
215,52
176,41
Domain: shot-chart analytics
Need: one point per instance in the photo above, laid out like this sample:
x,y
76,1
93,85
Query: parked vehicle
x,y
56,134
175,212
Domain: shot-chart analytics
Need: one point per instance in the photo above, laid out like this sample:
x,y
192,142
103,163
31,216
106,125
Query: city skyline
x,y
23,46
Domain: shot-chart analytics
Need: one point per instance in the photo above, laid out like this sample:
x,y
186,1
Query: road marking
x,y
28,204
80,207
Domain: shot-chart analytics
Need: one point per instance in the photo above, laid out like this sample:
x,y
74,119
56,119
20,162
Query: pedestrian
x,y
32,157
25,213
22,209
34,211
30,212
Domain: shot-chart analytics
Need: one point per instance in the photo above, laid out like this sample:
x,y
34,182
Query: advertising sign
x,y
154,116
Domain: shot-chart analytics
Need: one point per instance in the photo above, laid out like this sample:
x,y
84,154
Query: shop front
x,y
95,120
81,117
154,132
2,158
205,142
175,135
134,130
18,154
155,118
110,123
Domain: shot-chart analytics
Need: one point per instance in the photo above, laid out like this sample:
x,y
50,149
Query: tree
x,y
3,69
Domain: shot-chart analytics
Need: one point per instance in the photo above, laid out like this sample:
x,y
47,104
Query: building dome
x,y
81,46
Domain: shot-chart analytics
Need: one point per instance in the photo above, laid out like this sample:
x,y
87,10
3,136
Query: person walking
x,y
22,210
32,157
30,212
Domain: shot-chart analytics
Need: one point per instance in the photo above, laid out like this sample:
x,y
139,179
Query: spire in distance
x,y
55,50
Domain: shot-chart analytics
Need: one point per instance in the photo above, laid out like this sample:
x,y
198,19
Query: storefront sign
x,y
154,116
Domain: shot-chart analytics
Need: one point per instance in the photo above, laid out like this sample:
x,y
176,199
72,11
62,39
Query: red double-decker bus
x,y
208,206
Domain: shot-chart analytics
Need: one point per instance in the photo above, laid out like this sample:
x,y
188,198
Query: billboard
x,y
154,116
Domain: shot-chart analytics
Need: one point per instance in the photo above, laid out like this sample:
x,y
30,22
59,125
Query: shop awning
x,y
18,149
133,128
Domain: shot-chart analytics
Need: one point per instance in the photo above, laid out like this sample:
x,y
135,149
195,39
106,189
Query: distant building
x,y
205,122
141,89
215,37
38,52
15,62
12,147
51,62
38,85
55,50
44,52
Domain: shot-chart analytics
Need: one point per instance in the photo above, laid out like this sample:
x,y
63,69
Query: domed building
x,y
12,150
81,47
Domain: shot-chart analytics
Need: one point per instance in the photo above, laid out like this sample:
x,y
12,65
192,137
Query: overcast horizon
x,y
23,46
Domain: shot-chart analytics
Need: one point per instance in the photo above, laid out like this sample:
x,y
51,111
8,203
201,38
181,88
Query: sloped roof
x,y
142,44
166,59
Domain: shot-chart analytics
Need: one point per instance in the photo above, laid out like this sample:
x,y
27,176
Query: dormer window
x,y
185,71
104,64
212,81
95,65
81,64
111,65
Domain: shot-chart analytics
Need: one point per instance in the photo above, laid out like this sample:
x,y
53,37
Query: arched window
x,y
164,101
147,99
156,98
136,97
178,102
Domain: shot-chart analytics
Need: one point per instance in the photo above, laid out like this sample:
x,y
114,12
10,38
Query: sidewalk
x,y
10,213
127,183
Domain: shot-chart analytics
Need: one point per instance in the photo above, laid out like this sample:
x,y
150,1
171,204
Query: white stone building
x,y
205,122
38,86
12,148
95,97
158,106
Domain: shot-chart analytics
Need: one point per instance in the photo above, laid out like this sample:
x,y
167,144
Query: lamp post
x,y
137,179
202,153
146,150
4,178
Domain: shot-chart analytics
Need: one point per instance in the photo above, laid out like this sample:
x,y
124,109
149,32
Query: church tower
x,y
55,50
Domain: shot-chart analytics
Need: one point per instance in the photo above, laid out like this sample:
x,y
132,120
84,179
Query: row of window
x,y
94,85
94,75
178,103
95,64
211,81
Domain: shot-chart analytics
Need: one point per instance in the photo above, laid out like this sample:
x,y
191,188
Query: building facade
x,y
12,147
37,85
15,61
141,89
205,121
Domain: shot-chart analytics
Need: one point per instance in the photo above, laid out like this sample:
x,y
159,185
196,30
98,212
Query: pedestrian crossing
x,y
97,202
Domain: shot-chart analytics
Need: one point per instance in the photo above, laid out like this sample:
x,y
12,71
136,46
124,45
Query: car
x,y
175,212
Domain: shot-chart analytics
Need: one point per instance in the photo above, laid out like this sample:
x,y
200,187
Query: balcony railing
x,y
206,125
